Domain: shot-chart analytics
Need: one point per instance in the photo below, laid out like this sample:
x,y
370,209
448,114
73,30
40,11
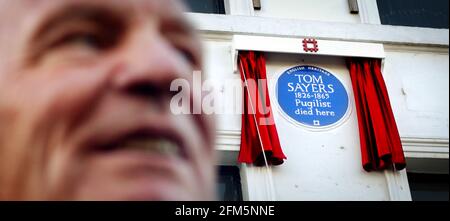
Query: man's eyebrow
x,y
112,19
180,27
94,13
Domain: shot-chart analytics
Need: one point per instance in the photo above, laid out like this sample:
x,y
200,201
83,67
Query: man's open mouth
x,y
151,145
146,143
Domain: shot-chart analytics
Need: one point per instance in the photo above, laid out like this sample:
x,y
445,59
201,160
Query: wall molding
x,y
431,148
228,140
434,148
415,49
227,146
369,33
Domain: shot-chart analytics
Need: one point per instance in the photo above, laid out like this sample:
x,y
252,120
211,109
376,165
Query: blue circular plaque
x,y
312,96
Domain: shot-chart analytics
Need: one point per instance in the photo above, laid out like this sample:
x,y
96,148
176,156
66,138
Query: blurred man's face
x,y
84,102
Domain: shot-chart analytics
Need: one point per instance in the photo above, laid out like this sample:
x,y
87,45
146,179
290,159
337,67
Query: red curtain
x,y
258,126
381,146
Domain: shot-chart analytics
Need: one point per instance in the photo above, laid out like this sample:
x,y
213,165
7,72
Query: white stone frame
x,y
368,12
239,7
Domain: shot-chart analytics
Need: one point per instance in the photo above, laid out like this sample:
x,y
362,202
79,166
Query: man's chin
x,y
140,190
132,176
155,192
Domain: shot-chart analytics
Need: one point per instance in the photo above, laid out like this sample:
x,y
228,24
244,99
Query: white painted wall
x,y
218,67
418,84
317,10
322,165
327,165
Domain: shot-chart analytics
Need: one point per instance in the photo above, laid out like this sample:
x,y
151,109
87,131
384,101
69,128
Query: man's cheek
x,y
66,95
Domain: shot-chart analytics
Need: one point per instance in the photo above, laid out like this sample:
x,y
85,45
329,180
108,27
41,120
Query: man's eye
x,y
89,40
188,55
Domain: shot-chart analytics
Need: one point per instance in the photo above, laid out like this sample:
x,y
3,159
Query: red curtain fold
x,y
258,126
381,146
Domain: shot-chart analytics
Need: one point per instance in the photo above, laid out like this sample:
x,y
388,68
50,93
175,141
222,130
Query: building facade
x,y
412,40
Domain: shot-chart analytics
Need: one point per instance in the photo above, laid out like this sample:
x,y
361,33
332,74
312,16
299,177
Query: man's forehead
x,y
162,7
42,2
21,18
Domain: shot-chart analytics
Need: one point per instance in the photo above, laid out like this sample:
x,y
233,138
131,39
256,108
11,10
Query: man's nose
x,y
148,65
